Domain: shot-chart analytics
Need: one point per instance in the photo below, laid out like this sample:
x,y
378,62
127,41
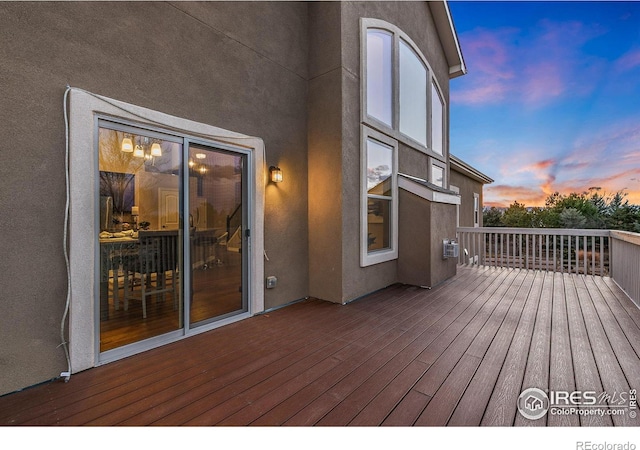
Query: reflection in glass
x,y
379,75
437,176
379,193
413,95
379,168
378,220
216,231
140,295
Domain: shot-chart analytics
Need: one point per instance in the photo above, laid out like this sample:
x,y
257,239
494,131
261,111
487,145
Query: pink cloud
x,y
628,61
551,66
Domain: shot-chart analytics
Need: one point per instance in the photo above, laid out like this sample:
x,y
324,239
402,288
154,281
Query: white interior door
x,y
168,208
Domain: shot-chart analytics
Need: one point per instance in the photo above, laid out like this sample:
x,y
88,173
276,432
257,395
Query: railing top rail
x,y
627,236
537,231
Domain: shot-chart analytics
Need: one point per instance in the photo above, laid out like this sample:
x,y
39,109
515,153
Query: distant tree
x,y
517,216
572,218
492,217
592,209
620,215
557,203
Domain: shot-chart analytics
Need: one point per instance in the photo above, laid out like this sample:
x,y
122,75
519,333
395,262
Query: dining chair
x,y
156,260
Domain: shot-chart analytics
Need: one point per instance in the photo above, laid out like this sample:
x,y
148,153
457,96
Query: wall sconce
x,y
275,174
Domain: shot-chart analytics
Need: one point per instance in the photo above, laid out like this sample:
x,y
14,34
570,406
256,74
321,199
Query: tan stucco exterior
x,y
286,73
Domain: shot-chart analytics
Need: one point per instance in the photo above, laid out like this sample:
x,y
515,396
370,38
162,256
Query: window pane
x,y
413,95
379,168
436,120
378,224
139,191
379,75
437,176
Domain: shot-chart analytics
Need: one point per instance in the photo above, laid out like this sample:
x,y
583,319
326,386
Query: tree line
x,y
576,210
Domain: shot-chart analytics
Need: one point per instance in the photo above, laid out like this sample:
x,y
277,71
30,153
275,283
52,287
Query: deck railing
x,y
625,264
592,252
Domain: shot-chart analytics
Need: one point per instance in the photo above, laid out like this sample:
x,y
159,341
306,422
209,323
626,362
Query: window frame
x,y
85,111
368,258
394,131
476,210
443,134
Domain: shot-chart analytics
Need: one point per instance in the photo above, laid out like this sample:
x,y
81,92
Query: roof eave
x,y
448,38
461,166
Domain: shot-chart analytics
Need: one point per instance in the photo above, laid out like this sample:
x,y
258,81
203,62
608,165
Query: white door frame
x,y
84,110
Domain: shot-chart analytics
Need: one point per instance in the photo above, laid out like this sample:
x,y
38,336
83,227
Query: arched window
x,y
401,97
401,102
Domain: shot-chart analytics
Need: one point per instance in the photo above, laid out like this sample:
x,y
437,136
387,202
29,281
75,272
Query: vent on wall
x,y
450,249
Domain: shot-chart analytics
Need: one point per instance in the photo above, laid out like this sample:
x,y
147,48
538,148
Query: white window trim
x,y
476,210
370,258
394,131
456,189
84,108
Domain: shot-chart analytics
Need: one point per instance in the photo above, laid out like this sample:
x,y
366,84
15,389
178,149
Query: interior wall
x,y
239,66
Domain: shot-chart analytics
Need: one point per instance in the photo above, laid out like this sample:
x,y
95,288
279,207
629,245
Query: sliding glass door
x,y
217,224
172,221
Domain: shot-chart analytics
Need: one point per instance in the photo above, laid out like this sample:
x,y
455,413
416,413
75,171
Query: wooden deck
x,y
459,354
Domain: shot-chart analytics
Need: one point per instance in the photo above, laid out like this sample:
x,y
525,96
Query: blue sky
x,y
551,101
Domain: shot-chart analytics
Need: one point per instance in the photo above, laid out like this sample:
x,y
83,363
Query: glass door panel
x,y
140,237
216,220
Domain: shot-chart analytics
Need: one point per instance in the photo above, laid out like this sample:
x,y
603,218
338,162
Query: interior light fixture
x,y
138,152
201,155
156,150
127,145
275,174
144,147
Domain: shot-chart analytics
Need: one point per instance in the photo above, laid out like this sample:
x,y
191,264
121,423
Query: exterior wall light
x,y
275,174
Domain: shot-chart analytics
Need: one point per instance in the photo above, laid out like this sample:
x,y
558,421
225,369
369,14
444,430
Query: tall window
x,y
379,76
401,96
437,121
401,101
379,199
413,95
476,210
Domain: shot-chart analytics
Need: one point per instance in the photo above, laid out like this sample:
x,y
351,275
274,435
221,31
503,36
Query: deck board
x,y
459,354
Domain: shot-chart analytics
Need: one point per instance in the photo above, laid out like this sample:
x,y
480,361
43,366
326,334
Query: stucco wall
x,y
325,152
423,227
468,187
238,66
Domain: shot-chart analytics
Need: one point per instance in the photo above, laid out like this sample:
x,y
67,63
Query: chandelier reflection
x,y
145,148
196,166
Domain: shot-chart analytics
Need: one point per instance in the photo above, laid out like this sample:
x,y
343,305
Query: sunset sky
x,y
551,101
